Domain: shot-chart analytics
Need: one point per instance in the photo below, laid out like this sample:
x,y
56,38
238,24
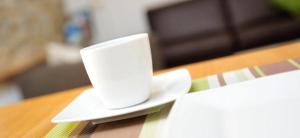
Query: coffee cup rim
x,y
114,42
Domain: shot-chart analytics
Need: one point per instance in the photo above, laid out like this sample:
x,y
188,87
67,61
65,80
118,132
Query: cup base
x,y
126,106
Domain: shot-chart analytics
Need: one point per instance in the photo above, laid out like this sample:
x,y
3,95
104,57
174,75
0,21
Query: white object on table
x,y
120,70
88,106
267,107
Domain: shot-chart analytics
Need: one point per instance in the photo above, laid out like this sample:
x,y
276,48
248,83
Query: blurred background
x,y
40,39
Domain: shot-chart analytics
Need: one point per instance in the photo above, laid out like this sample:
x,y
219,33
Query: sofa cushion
x,y
198,49
269,32
178,22
248,12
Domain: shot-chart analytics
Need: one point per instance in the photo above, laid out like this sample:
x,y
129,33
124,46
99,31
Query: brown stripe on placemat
x,y
128,128
221,79
88,130
253,72
279,67
76,132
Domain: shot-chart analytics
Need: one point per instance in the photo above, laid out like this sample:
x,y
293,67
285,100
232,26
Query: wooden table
x,y
31,118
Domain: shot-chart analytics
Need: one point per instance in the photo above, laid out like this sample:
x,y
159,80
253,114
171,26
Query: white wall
x,y
116,18
157,3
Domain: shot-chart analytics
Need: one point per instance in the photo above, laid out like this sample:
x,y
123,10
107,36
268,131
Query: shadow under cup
x,y
120,70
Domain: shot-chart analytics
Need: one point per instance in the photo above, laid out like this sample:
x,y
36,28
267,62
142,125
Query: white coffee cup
x,y
120,70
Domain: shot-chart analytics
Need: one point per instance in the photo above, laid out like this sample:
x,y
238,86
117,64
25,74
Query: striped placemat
x,y
153,125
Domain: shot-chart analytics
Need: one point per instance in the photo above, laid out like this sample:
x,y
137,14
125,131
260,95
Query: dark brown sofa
x,y
191,29
201,29
258,22
44,79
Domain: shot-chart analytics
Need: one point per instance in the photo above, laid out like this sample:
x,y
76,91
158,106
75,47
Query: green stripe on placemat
x,y
62,130
294,63
259,71
199,84
152,121
241,76
150,125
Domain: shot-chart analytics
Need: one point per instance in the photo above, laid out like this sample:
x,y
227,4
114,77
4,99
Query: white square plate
x,y
267,107
87,106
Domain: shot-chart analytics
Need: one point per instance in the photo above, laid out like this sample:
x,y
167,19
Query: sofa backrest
x,y
247,12
187,19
